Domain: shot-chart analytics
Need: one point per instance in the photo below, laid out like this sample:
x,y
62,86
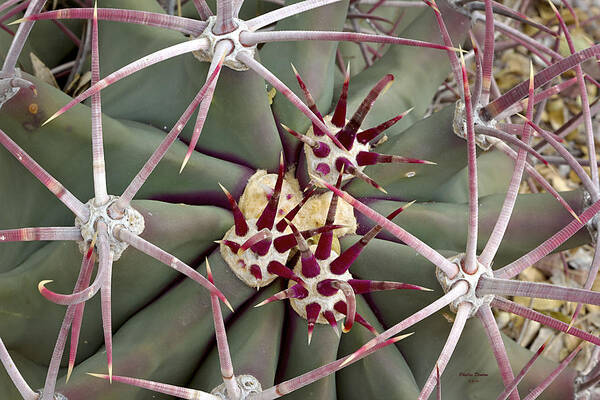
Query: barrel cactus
x,y
274,203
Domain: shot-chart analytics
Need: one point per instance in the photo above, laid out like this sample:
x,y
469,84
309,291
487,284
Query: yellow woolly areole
x,y
312,214
259,189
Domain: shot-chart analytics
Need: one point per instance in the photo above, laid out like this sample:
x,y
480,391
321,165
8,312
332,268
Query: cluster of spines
x,y
224,24
335,275
264,241
349,134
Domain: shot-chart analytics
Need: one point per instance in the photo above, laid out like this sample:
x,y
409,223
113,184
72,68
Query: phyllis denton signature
x,y
473,376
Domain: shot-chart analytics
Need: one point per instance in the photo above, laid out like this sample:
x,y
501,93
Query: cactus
x,y
285,228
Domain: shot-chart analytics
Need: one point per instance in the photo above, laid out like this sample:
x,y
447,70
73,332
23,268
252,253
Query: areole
x,y
233,37
130,220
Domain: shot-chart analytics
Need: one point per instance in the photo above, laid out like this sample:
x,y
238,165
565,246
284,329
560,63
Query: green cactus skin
x,y
162,323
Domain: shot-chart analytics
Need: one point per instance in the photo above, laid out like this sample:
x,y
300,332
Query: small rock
x,y
532,274
532,330
580,259
502,319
